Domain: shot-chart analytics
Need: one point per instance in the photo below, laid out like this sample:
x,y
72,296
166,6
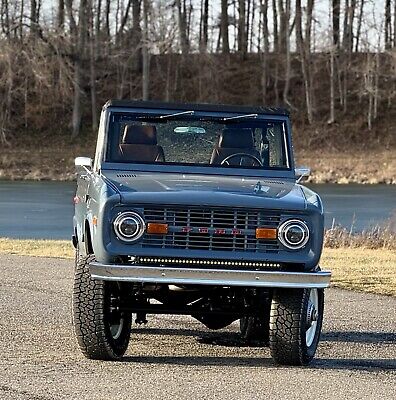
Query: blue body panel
x,y
110,188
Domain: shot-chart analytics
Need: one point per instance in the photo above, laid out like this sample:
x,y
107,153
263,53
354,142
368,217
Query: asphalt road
x,y
176,357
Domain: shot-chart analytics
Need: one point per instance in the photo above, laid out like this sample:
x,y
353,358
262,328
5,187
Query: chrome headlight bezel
x,y
284,229
139,221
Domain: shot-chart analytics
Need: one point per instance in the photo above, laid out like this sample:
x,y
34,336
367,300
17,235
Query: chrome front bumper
x,y
203,276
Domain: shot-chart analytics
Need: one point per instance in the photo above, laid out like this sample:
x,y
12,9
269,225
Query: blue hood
x,y
206,190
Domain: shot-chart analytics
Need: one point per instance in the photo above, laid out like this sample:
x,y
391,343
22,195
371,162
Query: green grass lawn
x,y
361,269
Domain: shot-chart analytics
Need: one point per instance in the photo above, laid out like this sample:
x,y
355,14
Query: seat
x,y
139,144
234,141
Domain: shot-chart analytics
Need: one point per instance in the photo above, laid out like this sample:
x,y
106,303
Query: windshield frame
x,y
102,148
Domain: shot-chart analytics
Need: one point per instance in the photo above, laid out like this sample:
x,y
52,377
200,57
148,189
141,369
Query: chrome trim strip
x,y
201,276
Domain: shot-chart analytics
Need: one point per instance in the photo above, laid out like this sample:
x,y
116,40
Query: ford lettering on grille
x,y
215,231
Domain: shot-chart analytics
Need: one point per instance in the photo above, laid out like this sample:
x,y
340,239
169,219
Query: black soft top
x,y
196,107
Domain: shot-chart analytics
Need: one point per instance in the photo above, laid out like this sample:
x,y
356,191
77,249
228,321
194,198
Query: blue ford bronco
x,y
196,209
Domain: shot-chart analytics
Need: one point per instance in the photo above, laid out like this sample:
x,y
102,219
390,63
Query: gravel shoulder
x,y
175,356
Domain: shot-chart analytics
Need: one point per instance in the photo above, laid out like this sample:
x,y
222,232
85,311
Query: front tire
x,y
102,330
295,325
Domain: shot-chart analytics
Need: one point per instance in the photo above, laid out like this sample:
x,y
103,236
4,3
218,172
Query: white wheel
x,y
312,316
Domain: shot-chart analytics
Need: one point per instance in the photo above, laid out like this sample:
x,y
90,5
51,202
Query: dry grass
x,y
365,270
38,248
379,237
360,269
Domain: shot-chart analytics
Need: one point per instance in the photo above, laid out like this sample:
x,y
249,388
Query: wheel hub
x,y
116,318
312,314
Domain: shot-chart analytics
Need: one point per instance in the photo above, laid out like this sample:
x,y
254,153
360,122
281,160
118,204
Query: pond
x,y
44,210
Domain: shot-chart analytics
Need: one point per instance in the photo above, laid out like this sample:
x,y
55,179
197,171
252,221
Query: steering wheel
x,y
242,156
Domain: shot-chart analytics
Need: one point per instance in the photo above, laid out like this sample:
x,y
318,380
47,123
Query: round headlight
x,y
129,226
293,234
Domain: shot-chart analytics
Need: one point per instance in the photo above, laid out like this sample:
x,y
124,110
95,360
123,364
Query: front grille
x,y
212,229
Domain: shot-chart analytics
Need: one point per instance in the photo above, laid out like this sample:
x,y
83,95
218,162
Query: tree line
x,y
61,59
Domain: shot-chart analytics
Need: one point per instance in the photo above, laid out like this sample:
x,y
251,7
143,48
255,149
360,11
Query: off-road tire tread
x,y
285,339
88,314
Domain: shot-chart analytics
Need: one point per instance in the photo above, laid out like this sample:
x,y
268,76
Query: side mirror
x,y
83,162
302,174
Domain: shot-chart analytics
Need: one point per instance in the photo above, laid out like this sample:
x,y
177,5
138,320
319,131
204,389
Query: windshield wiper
x,y
241,116
163,118
177,114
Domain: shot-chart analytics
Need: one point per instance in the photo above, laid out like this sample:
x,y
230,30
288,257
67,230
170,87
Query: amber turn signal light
x,y
266,233
157,229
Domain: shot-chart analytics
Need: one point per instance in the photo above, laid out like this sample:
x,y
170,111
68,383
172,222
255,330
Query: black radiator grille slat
x,y
212,229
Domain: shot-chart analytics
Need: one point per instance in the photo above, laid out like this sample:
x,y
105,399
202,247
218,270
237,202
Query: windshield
x,y
212,142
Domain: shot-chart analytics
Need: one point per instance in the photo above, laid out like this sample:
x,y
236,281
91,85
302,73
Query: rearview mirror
x,y
190,129
302,173
83,162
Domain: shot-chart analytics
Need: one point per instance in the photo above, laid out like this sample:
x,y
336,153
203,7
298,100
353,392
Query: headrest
x,y
139,134
236,138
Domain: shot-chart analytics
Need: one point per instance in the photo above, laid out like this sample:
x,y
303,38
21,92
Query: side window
x,y
272,148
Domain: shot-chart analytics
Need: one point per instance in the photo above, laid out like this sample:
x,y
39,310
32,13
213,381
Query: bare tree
x,y
284,39
224,26
394,24
182,21
34,16
284,17
359,25
276,50
303,49
349,16
242,40
203,37
308,24
247,22
388,25
136,41
5,18
146,56
98,18
124,20
79,33
336,9
250,29
345,30
92,66
265,54
60,19
107,18
332,84
73,50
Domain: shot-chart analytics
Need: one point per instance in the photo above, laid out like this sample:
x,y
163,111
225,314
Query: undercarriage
x,y
215,307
